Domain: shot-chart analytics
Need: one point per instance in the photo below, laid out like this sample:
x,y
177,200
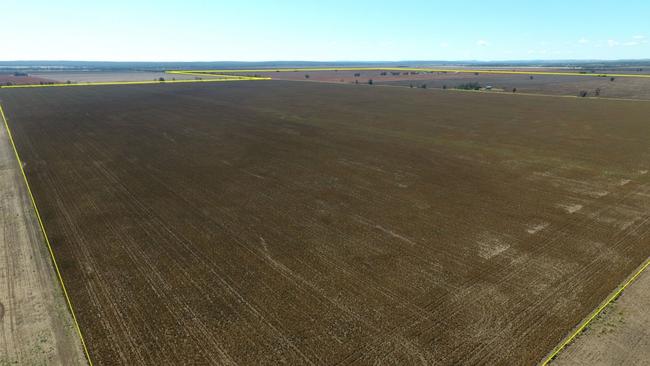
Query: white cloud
x,y
612,43
583,41
639,39
444,44
630,43
482,43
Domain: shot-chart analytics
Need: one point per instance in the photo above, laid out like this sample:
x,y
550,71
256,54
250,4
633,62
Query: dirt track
x,y
36,324
309,223
619,336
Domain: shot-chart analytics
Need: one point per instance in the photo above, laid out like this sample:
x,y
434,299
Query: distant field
x,y
10,79
635,88
619,87
105,76
273,222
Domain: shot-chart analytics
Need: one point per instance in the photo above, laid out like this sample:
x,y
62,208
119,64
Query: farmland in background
x,y
571,85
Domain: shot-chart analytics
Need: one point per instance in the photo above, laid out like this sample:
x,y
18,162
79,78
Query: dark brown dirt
x,y
276,222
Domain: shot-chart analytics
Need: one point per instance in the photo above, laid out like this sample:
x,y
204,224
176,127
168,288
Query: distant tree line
x,y
473,85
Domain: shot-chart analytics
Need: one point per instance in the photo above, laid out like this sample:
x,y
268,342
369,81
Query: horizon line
x,y
334,61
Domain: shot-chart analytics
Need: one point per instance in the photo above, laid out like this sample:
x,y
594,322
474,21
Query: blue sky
x,y
197,30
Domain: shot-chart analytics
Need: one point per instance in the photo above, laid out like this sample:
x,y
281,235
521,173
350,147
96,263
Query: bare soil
x,y
270,222
36,326
619,336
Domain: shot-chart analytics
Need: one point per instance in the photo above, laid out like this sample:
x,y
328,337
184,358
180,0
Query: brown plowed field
x,y
268,222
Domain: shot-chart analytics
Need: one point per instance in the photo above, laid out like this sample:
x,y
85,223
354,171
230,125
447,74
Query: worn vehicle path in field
x,y
36,324
619,336
312,223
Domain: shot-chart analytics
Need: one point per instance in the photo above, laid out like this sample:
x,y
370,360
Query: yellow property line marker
x,y
593,315
47,240
409,69
143,82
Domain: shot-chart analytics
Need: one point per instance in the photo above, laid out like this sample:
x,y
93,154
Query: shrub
x,y
469,86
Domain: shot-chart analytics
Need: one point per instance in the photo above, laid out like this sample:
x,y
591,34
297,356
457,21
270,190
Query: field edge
x,y
47,241
582,326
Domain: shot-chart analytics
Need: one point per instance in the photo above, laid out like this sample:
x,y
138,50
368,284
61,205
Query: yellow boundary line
x,y
144,82
409,69
47,240
593,315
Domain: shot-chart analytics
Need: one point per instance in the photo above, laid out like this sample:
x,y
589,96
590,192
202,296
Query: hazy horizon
x,y
439,61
